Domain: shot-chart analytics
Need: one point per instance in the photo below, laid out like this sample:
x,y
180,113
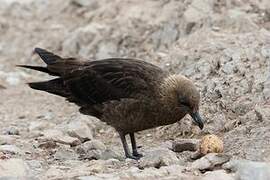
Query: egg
x,y
210,144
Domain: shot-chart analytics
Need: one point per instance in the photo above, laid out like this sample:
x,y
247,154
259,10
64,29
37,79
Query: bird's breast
x,y
133,115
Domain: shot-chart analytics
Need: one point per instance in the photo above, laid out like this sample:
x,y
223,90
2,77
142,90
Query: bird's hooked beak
x,y
197,119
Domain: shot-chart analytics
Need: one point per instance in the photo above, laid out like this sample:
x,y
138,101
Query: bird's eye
x,y
185,104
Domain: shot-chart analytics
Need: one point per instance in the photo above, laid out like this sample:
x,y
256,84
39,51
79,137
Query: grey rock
x,y
249,170
12,131
158,157
91,150
96,150
80,129
10,149
90,4
65,153
48,144
60,137
218,174
209,161
185,145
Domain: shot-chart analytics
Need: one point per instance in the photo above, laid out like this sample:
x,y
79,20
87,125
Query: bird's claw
x,y
133,157
136,154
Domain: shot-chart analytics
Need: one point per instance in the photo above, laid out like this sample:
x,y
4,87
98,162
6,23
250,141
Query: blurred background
x,y
223,45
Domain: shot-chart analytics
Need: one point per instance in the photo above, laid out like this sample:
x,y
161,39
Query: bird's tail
x,y
54,86
56,66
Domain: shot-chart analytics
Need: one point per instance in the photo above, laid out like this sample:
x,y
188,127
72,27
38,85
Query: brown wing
x,y
112,79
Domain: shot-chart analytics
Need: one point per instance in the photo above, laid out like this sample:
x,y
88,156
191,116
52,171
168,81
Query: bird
x,y
128,94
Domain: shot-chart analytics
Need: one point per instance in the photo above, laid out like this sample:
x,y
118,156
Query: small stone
x,y
210,161
86,3
2,87
47,145
12,131
158,157
185,145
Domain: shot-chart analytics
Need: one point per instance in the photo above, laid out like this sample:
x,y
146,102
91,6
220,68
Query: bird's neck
x,y
167,91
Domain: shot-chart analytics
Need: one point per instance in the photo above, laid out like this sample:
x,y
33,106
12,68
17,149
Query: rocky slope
x,y
224,46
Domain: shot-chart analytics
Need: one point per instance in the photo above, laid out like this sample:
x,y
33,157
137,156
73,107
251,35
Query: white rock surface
x,y
13,168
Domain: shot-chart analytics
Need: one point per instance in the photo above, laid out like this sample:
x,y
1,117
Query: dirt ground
x,y
223,46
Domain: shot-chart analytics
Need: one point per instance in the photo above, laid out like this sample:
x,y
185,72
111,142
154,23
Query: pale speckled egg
x,y
211,144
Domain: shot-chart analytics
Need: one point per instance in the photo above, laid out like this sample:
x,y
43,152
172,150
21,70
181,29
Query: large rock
x,y
13,168
209,161
60,137
159,157
249,170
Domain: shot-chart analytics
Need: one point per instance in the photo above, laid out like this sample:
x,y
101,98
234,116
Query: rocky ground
x,y
224,46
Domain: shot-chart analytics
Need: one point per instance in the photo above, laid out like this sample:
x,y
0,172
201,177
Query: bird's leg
x,y
134,146
125,146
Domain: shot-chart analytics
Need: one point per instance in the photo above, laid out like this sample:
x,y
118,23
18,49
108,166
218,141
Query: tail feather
x,y
46,56
54,86
39,68
56,65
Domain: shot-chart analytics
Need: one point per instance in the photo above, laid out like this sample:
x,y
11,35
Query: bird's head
x,y
179,92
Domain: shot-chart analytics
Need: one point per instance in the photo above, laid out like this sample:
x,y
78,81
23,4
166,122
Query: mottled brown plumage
x,y
128,94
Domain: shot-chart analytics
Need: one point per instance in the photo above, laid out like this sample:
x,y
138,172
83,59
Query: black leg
x,y
134,146
125,146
